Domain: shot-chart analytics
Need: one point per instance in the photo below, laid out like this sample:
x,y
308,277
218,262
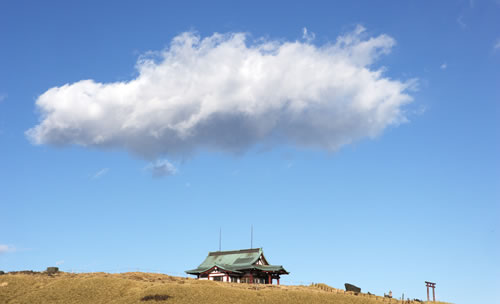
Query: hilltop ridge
x,y
138,287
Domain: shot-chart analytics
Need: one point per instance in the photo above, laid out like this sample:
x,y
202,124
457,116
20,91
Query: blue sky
x,y
384,198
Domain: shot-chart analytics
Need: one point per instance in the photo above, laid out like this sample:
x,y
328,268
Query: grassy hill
x,y
137,287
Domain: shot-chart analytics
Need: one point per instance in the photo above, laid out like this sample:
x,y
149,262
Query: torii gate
x,y
433,286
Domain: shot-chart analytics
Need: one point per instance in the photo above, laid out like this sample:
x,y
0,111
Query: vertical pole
x,y
427,292
269,280
278,280
433,294
251,237
251,278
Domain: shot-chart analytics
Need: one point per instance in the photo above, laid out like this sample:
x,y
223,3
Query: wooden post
x,y
278,280
269,279
432,285
251,278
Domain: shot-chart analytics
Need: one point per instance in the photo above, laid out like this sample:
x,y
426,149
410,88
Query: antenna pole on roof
x,y
220,237
251,237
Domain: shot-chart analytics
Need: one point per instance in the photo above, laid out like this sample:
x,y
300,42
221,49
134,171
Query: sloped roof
x,y
236,261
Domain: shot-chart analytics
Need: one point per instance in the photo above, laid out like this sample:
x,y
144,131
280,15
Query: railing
x,y
327,288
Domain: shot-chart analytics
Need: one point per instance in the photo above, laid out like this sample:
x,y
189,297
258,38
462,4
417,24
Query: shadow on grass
x,y
156,297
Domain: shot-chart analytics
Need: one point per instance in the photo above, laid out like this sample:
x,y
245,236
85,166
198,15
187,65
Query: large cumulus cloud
x,y
225,93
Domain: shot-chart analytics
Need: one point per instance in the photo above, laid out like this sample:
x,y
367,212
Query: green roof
x,y
236,261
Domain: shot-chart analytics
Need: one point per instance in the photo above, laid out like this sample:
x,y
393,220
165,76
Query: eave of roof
x,y
272,268
241,269
224,268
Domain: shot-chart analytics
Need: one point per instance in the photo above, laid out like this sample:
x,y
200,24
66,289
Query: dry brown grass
x,y
133,286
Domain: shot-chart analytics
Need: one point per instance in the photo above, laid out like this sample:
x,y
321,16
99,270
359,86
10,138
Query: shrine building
x,y
238,266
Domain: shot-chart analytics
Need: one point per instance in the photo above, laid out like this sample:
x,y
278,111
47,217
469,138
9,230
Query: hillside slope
x,y
146,288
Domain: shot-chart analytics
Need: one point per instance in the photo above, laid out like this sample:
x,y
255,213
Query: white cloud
x,y
58,263
443,66
460,21
162,168
420,110
497,45
3,97
100,173
225,93
6,248
308,36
